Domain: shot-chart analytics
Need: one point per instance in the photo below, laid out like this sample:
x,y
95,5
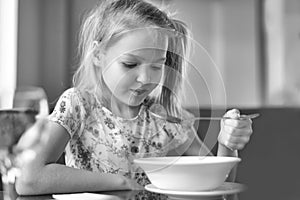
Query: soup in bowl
x,y
187,173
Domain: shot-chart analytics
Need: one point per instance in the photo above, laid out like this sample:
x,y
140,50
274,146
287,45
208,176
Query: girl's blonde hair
x,y
111,17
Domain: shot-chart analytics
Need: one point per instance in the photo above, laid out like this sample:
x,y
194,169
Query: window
x,y
8,48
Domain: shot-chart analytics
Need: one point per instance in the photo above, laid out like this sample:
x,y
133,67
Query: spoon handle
x,y
242,117
173,119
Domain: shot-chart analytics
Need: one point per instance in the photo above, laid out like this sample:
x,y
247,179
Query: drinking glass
x,y
29,106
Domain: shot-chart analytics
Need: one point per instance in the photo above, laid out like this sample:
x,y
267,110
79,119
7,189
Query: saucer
x,y
225,189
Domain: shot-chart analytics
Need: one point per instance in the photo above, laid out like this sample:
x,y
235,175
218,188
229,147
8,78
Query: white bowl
x,y
187,173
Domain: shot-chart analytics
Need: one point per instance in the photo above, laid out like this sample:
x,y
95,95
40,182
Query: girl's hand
x,y
235,133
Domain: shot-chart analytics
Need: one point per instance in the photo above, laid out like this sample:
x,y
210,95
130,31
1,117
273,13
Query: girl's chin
x,y
135,101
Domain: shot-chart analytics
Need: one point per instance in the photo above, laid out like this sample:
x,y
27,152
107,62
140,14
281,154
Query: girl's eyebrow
x,y
161,59
141,58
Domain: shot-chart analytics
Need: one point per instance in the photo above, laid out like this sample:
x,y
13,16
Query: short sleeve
x,y
69,111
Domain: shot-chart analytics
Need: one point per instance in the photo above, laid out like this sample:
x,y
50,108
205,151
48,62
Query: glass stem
x,y
8,183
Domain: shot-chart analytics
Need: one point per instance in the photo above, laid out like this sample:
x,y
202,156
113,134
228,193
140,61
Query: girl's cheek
x,y
156,81
156,77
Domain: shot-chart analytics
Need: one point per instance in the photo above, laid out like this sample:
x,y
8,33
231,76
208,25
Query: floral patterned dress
x,y
103,142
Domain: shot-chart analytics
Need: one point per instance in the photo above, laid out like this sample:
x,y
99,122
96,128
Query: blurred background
x,y
246,55
254,45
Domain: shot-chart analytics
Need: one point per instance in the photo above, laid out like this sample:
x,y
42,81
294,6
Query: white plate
x,y
83,196
225,189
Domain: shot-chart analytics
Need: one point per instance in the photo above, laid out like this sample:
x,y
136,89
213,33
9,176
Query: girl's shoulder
x,y
70,93
75,94
75,98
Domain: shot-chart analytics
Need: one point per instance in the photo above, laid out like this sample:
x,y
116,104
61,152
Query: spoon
x,y
160,112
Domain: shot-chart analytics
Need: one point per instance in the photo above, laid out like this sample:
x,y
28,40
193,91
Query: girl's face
x,y
134,66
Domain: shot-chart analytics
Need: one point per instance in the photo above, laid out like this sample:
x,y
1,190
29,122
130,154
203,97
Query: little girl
x,y
132,56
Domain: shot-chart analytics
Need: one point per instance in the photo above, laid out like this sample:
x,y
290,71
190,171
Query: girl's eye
x,y
157,67
129,65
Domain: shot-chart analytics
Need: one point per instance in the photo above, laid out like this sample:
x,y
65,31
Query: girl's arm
x,y
198,148
43,176
233,136
224,151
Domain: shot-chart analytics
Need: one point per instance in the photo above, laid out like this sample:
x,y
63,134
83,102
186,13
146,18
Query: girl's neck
x,y
117,107
122,110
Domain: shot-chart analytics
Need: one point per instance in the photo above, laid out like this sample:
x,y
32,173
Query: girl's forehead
x,y
139,40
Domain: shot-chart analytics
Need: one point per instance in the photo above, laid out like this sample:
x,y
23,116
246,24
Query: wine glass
x,y
29,106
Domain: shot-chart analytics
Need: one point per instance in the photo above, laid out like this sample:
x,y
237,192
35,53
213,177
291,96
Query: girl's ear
x,y
98,55
98,59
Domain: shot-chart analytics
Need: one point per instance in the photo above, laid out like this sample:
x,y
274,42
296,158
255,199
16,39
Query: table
x,y
123,195
230,188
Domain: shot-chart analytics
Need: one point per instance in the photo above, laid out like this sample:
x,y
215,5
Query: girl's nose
x,y
143,76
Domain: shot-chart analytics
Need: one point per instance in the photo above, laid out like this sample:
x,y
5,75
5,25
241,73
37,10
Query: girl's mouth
x,y
139,92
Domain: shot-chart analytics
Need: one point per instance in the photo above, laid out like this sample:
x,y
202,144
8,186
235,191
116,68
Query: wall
x,y
282,22
43,45
226,29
